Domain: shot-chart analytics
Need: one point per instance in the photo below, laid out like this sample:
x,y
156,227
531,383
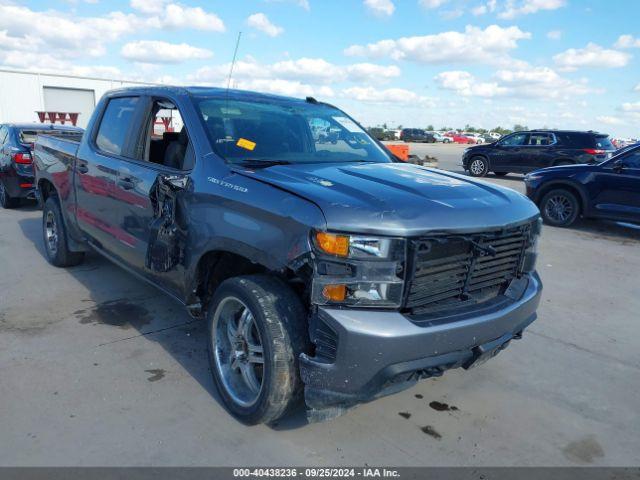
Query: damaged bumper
x,y
364,354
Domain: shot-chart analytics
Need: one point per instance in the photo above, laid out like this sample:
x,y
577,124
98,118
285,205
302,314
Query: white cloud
x,y
627,41
463,83
513,8
151,51
178,16
309,70
609,120
261,22
474,45
55,37
432,3
148,6
484,8
390,95
524,82
631,107
592,56
381,8
554,34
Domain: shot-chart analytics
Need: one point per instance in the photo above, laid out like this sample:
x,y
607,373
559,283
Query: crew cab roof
x,y
211,92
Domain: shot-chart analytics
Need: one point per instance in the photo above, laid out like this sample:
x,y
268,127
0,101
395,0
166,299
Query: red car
x,y
462,139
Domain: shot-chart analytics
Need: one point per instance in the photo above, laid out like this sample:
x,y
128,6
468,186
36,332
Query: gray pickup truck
x,y
325,270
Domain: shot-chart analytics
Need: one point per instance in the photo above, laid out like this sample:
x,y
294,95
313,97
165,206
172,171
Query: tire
x,y
5,200
55,236
500,174
256,317
559,208
478,166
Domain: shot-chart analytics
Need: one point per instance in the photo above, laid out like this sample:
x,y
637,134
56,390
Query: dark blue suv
x,y
610,190
16,163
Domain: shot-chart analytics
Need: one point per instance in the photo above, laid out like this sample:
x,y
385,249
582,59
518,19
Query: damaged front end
x,y
408,311
167,230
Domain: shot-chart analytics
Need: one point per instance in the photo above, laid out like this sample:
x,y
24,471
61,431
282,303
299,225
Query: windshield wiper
x,y
261,163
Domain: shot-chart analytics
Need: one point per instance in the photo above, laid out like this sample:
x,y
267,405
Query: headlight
x,y
358,270
531,252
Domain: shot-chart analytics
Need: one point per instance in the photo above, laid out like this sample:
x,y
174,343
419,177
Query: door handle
x,y
82,168
126,183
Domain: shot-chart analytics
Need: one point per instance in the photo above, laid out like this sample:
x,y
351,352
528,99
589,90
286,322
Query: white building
x,y
22,94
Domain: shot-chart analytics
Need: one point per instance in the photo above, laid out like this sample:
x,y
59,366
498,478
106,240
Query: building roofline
x,y
80,77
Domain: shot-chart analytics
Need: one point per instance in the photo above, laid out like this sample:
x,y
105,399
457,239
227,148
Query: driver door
x,y
508,153
617,188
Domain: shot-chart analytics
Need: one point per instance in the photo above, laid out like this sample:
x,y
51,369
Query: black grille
x,y
461,270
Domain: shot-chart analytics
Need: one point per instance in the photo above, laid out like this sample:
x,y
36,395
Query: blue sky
x,y
542,63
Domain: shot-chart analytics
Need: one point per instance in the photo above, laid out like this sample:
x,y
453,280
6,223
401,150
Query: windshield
x,y
250,131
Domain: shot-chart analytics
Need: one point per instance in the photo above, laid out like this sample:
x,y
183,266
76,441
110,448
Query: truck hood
x,y
399,199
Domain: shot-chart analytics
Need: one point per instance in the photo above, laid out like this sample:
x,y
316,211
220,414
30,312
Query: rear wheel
x,y
559,208
478,167
55,236
256,334
5,199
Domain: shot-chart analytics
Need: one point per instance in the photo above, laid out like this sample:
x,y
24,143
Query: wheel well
x,y
562,186
216,266
46,189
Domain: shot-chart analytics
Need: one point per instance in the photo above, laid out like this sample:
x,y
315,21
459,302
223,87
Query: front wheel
x,y
256,334
559,208
478,167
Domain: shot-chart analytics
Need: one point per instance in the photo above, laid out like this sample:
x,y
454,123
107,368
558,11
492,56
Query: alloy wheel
x,y
559,208
239,356
51,233
477,167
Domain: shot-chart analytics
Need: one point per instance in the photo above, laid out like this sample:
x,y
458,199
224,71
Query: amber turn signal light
x,y
335,293
333,244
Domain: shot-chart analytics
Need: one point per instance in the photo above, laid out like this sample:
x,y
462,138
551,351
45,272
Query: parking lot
x,y
97,368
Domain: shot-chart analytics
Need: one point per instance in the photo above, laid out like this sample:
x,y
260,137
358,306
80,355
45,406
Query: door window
x,y
540,139
632,160
115,127
515,140
167,141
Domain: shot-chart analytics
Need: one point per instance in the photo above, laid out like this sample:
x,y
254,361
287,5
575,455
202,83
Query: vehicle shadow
x,y
123,301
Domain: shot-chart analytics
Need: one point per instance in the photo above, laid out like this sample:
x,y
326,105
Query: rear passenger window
x,y
115,126
540,139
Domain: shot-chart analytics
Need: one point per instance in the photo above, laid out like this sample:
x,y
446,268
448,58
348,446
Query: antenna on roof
x,y
233,62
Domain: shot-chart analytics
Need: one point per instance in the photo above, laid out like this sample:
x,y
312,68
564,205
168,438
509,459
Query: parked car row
x,y
569,173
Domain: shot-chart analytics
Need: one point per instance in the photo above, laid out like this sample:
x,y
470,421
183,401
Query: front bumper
x,y
381,352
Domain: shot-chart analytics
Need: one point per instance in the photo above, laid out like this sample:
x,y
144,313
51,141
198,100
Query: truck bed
x,y
65,143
